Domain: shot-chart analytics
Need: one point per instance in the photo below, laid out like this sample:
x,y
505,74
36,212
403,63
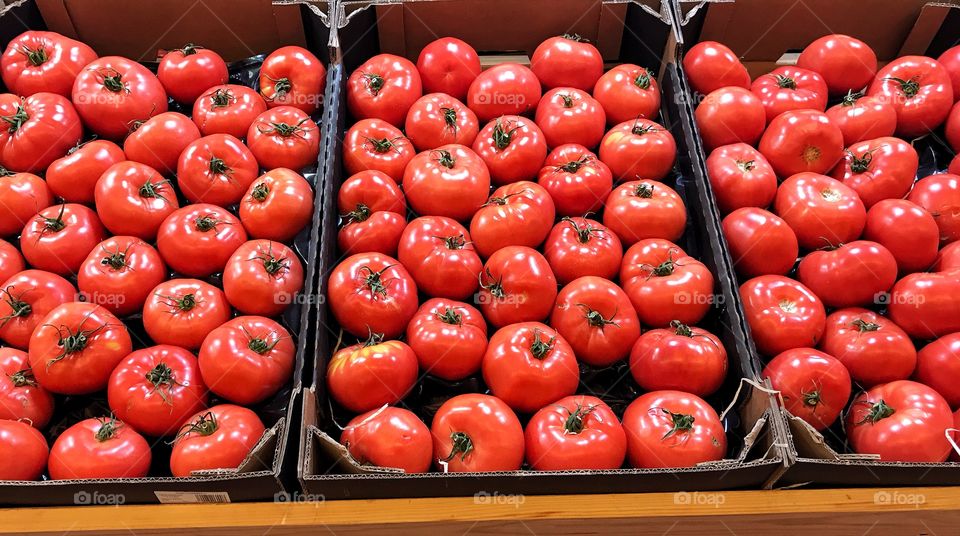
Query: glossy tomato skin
x,y
710,66
637,210
871,347
568,115
822,211
950,59
374,190
951,129
119,274
37,61
672,429
578,182
940,196
438,119
11,261
365,376
882,168
476,433
441,257
134,199
902,421
197,240
27,298
740,177
681,358
505,89
216,438
512,147
856,273
99,448
948,259
59,238
814,386
371,292
21,398
926,305
389,437
516,285
111,92
578,247
186,73
216,169
782,314
448,337
365,232
74,176
517,214
247,360
181,312
730,115
919,89
293,76
450,181
665,284
375,145
801,141
760,242
45,128
284,137
23,449
277,206
790,88
156,389
158,141
845,63
638,149
262,277
567,61
595,316
575,433
448,65
21,196
384,87
627,92
907,230
227,109
937,367
860,118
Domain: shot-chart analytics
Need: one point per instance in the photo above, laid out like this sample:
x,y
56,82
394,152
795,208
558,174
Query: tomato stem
x,y
358,214
574,166
640,130
878,411
218,166
450,316
18,307
375,82
851,97
373,338
862,325
112,80
785,82
190,49
206,222
860,164
746,165
445,158
910,87
72,342
23,378
575,37
382,145
205,425
450,119
502,136
567,100
495,288
162,376
461,444
811,398
540,348
54,225
36,56
374,280
574,422
681,329
583,233
17,119
595,318
644,190
222,98
454,242
152,190
642,80
681,423
285,130
109,426
260,192
271,263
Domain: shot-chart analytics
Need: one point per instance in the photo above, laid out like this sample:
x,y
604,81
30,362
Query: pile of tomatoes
x,y
145,260
818,162
510,298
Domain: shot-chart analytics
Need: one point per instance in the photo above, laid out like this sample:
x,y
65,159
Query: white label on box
x,y
192,497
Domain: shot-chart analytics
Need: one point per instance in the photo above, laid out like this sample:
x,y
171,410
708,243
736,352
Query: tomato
x,y
182,312
575,433
504,89
665,284
438,119
156,389
926,305
37,61
216,169
907,230
855,273
954,167
217,438
948,259
568,115
578,247
813,385
21,397
950,59
577,181
99,448
782,314
389,437
902,421
672,429
740,177
937,367
277,206
365,376
638,149
284,136
476,433
373,144
11,261
512,147
642,209
450,181
448,337
262,277
803,140
247,359
27,297
710,66
760,242
292,76
59,238
119,274
870,346
790,88
111,92
74,177
364,231
23,450
518,214
371,189
188,72
951,129
862,118
595,316
371,292
76,347
730,115
42,128
920,91
845,63
134,199
681,357
822,211
448,65
940,196
384,87
197,240
883,168
22,195
516,285
227,109
627,92
567,61
158,141
441,257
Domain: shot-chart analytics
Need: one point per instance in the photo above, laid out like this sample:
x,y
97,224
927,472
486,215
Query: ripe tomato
x,y
277,206
197,240
642,209
595,316
920,91
247,359
11,261
516,285
505,89
665,284
681,358
119,274
578,247
217,438
672,429
37,61
99,448
814,386
372,144
883,168
820,210
937,367
372,293
926,305
862,118
262,277
730,115
448,65
638,149
384,87
441,257
111,92
575,433
227,109
74,177
134,199
802,140
790,88
512,147
371,374
156,389
568,115
907,230
182,312
517,214
216,169
476,433
364,231
285,137
21,397
902,421
24,451
567,61
450,181
951,129
22,195
188,72
855,273
760,242
870,346
782,314
42,128
950,59
438,119
845,63
292,76
627,92
389,437
372,189
59,238
740,177
948,259
448,337
940,196
158,141
710,66
27,297
577,181
76,347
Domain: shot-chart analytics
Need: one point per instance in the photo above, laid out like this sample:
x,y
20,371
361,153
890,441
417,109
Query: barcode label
x,y
192,497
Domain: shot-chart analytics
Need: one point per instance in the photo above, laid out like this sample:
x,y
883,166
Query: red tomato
x,y
577,181
790,88
364,231
158,141
182,312
926,305
22,195
292,76
672,429
862,118
371,292
11,261
37,61
803,140
247,359
119,274
384,87
262,277
112,92
730,115
568,115
870,346
760,243
197,240
950,60
99,448
448,65
438,119
920,91
505,89
134,199
907,230
814,386
940,196
156,389
627,92
42,128
227,109
449,338
372,144
21,397
371,374
902,421
710,66
217,438
740,177
518,214
567,61
476,433
575,433
845,63
638,149
284,137
512,147
23,450
27,297
578,247
595,316
371,189
277,206
948,259
59,238
855,273
951,129
782,314
186,73
681,358
938,367
820,210
450,181
883,168
74,177
216,169
642,209
516,285
665,284
441,257
389,437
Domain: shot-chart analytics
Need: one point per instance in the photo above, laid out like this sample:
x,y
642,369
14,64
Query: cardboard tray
x,y
327,471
